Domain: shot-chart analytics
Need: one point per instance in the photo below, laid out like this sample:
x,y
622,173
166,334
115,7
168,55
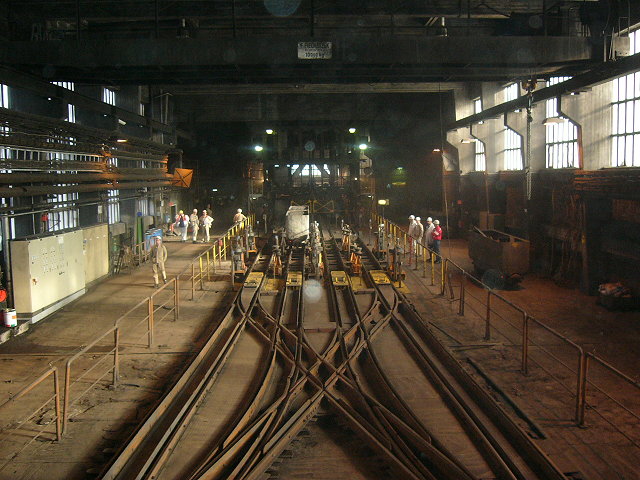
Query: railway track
x,y
344,351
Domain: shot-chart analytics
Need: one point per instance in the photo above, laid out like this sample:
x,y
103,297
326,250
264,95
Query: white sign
x,y
314,50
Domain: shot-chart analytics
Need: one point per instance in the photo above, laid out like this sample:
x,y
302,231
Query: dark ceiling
x,y
247,55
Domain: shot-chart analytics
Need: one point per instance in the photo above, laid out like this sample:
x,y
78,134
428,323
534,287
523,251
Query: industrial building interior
x,y
489,115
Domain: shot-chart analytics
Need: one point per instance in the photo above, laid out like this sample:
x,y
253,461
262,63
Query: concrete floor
x,y
608,446
104,417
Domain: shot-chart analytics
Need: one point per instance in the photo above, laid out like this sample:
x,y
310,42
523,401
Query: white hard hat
x,y
436,222
418,219
411,217
429,219
239,210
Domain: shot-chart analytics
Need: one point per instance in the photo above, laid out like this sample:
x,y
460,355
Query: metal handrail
x,y
115,330
583,358
52,371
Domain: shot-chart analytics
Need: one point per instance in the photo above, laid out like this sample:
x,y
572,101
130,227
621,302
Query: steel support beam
x,y
602,73
140,61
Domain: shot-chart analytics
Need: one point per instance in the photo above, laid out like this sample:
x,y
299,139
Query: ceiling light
x,y
436,150
121,122
122,140
363,146
258,148
352,130
269,131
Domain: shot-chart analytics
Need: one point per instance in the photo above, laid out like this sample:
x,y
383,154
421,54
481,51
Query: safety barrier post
x,y
116,356
67,389
443,268
176,301
433,269
201,273
56,391
487,328
581,394
224,246
150,321
462,292
404,243
525,343
193,281
424,262
208,266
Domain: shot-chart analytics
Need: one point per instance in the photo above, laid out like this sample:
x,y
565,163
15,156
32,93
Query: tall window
x,y
109,96
71,109
113,206
512,140
625,144
561,134
4,96
512,149
480,157
511,92
67,214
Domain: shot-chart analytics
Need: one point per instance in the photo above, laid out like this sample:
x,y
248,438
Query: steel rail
x,y
186,393
439,455
542,463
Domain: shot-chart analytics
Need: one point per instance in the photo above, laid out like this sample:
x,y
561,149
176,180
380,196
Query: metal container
x,y
297,223
9,317
495,250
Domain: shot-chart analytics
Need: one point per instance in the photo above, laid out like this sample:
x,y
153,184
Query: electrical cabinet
x,y
95,252
46,270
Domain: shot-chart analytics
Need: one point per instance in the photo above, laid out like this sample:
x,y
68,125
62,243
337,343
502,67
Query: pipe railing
x,y
443,278
150,310
19,429
203,266
113,370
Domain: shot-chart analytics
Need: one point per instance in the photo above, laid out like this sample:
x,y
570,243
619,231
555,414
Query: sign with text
x,y
314,50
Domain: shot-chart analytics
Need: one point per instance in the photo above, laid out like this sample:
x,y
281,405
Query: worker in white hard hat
x,y
239,217
428,230
205,222
194,220
181,224
412,225
437,236
158,256
418,232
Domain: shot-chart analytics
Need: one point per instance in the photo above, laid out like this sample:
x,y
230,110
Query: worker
x,y
428,233
158,257
194,221
181,225
205,222
437,236
239,217
412,225
418,230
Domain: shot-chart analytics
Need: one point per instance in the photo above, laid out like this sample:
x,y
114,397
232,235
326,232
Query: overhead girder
x,y
360,58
